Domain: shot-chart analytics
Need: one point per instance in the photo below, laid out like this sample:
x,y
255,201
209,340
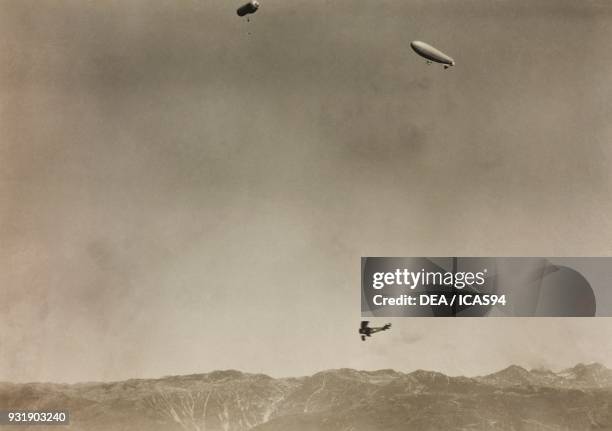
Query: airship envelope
x,y
432,54
248,8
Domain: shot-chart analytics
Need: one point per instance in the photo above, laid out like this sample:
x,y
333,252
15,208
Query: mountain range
x,y
578,398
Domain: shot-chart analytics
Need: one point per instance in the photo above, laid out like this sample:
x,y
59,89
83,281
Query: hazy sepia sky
x,y
183,191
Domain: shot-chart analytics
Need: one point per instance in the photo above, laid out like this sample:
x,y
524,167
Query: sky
x,y
183,191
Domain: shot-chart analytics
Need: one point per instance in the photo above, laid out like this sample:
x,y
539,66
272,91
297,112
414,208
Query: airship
x,y
248,8
432,54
